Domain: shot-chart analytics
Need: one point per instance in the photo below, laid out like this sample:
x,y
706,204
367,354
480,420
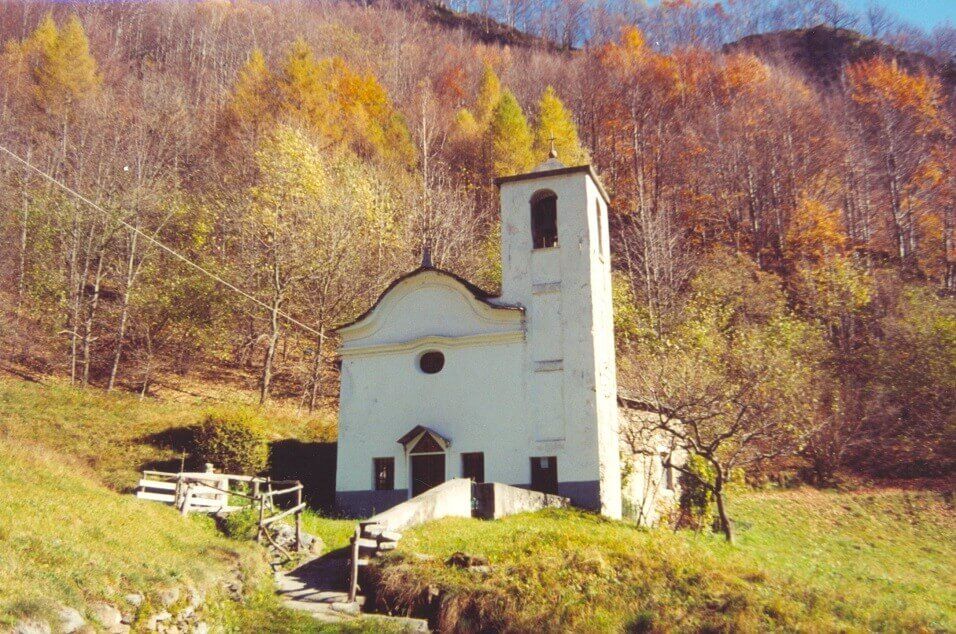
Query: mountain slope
x,y
476,25
822,52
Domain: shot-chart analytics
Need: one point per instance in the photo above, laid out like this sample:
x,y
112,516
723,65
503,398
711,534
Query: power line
x,y
162,246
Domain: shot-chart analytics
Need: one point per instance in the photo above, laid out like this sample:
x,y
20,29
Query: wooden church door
x,y
428,464
428,471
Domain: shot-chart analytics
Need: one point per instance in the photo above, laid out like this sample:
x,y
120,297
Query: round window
x,y
431,362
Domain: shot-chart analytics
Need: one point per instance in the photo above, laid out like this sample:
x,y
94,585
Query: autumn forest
x,y
782,246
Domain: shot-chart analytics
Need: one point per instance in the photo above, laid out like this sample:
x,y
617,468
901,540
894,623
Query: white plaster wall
x,y
477,401
578,270
451,499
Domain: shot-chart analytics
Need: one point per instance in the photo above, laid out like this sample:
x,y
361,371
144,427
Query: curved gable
x,y
429,303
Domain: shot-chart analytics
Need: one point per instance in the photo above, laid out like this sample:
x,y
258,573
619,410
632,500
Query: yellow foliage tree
x,y
815,232
472,123
305,88
343,105
67,72
25,55
253,100
510,137
555,122
373,124
489,92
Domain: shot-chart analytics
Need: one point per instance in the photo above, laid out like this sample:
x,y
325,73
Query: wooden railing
x,y
208,492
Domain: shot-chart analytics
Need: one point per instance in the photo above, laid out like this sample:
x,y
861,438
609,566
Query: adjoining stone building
x,y
441,379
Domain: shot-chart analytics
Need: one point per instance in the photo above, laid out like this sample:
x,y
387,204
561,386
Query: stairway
x,y
319,587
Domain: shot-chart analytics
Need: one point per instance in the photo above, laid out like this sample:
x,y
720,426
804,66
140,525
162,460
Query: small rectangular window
x,y
384,473
599,241
544,474
473,466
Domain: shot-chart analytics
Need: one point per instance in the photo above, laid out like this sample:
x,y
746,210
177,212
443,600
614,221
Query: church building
x,y
441,379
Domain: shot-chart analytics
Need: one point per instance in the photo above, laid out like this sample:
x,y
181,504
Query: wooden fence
x,y
207,492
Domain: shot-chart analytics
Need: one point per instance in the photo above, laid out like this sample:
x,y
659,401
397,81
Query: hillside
x,y
822,52
67,541
71,534
807,561
118,435
476,26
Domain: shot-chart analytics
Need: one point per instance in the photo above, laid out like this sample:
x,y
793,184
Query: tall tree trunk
x,y
124,310
725,526
24,221
316,370
274,333
147,371
90,318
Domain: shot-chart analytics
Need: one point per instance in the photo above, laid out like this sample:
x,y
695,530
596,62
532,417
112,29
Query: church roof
x,y
479,293
549,169
633,402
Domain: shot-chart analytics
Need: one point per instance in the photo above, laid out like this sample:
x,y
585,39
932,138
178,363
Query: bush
x,y
697,507
233,440
242,524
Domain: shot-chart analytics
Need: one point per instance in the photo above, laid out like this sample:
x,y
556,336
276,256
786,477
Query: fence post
x,y
353,578
177,497
298,520
262,511
184,509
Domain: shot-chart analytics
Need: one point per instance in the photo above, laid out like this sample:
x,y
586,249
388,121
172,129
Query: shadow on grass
x,y
175,439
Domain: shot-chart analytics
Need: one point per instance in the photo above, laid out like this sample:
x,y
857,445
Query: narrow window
x,y
668,471
600,228
473,466
544,474
384,473
544,220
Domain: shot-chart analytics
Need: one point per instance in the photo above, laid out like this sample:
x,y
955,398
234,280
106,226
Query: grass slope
x,y
890,554
117,434
807,561
66,540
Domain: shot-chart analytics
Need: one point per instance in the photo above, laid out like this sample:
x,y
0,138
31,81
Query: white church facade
x,y
441,380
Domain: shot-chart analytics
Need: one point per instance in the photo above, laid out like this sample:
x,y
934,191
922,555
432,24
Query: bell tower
x,y
555,262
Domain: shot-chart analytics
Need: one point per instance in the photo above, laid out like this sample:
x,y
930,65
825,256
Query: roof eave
x,y
588,169
479,294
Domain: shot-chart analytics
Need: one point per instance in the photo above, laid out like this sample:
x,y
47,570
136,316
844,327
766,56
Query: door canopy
x,y
424,440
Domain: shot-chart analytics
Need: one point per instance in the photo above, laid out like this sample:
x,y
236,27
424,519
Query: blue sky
x,y
923,13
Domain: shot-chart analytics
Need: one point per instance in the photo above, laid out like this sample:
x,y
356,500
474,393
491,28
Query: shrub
x,y
233,440
242,524
696,500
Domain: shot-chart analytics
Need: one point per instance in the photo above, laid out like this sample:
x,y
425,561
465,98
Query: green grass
x,y
334,532
891,553
66,540
116,434
262,614
806,561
